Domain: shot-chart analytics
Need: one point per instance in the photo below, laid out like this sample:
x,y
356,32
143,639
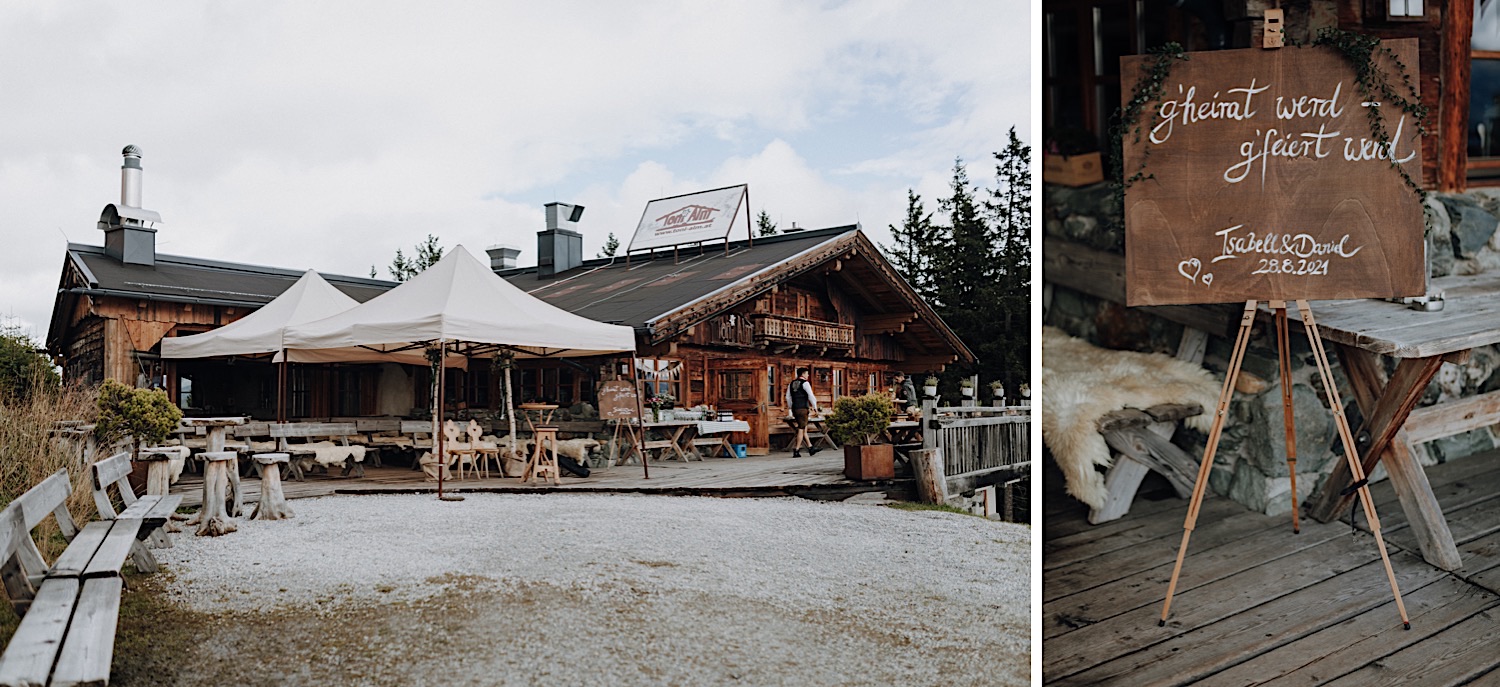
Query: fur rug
x,y
1081,383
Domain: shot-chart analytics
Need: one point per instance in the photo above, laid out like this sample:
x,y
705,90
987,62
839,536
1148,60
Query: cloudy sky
x,y
327,135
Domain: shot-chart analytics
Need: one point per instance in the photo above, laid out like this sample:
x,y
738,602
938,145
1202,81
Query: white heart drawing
x,y
1208,279
1194,263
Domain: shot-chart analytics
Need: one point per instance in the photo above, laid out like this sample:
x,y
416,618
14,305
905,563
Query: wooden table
x,y
681,441
904,432
218,429
816,432
1362,330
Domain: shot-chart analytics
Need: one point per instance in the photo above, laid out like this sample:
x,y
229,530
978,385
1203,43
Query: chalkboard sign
x,y
618,401
1264,182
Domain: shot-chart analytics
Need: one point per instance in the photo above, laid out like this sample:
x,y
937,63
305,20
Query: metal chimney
x,y
502,256
559,247
130,177
130,230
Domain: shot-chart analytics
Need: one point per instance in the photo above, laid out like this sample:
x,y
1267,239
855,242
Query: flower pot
x,y
929,391
967,391
869,461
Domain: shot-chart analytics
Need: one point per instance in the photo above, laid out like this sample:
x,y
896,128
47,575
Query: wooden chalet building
x,y
728,328
725,325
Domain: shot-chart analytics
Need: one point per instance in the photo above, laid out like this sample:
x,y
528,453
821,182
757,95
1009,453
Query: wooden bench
x,y
69,611
152,511
300,453
1141,441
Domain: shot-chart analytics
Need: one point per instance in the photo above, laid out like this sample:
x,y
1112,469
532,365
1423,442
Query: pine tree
x,y
611,246
915,240
427,254
1009,210
763,224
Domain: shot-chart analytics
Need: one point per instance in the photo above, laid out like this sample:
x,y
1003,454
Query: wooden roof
x,y
661,296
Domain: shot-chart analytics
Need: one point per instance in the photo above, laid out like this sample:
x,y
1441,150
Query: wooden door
x,y
741,388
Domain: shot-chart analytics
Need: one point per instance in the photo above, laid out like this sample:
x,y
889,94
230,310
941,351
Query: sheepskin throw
x,y
1081,383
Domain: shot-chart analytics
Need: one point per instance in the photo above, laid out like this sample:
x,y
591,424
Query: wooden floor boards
x,y
1258,605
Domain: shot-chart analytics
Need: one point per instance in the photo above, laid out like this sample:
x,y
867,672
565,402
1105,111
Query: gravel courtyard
x,y
586,589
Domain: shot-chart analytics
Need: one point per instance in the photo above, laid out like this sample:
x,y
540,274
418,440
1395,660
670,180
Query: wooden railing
x,y
802,331
977,439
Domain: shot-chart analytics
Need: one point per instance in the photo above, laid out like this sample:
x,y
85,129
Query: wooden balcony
x,y
797,330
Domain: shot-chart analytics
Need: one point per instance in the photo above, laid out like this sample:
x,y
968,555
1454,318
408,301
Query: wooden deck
x,y
1257,605
778,474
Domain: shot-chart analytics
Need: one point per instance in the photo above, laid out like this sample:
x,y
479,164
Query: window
x,y
1482,141
838,383
1082,42
737,385
551,384
772,389
662,376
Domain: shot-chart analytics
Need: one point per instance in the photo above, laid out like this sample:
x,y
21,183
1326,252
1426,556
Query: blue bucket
x,y
739,450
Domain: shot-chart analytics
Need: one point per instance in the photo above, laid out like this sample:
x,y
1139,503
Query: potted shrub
x,y
929,387
966,387
146,416
857,423
997,394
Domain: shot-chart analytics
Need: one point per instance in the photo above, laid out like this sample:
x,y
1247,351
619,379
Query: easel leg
x,y
1204,467
1350,455
1284,354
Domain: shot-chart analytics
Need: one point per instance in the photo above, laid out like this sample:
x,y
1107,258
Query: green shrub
x,y
147,416
23,370
860,419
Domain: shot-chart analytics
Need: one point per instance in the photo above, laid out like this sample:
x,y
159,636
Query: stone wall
x,y
1250,466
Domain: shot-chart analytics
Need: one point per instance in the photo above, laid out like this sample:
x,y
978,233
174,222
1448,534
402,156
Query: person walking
x,y
800,398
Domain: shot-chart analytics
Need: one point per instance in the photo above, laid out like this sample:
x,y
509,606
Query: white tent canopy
x,y
310,299
457,300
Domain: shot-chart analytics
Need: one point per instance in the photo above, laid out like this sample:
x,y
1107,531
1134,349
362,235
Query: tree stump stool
x,y
159,483
214,520
543,462
272,504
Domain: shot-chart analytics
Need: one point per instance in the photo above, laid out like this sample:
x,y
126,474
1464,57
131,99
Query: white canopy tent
x,y
461,302
457,306
310,299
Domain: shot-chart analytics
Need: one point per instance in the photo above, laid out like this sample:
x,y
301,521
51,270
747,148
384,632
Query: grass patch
x,y
941,507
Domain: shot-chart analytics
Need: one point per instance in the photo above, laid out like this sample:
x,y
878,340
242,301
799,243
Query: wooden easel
x,y
1361,484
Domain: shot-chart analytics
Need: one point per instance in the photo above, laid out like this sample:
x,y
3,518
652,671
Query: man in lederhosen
x,y
800,398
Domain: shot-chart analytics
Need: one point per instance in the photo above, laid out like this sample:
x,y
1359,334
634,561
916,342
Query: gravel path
x,y
608,589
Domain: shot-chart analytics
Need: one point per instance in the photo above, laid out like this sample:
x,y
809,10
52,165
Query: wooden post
x,y
272,504
929,434
215,521
927,467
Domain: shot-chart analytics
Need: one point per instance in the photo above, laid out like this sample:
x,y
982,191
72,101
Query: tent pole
x,y
281,389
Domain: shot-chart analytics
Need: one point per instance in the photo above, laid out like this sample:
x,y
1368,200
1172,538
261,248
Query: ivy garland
x,y
1359,50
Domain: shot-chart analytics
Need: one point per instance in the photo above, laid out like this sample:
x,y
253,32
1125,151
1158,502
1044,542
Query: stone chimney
x,y
130,230
502,256
559,247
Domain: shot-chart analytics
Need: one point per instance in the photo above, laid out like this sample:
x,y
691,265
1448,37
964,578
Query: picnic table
x,y
1362,330
687,435
816,432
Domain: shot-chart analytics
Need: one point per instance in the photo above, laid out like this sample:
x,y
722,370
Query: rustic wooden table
x,y
1362,330
218,429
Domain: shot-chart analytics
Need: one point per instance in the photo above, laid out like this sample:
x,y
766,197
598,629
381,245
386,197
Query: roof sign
x,y
691,218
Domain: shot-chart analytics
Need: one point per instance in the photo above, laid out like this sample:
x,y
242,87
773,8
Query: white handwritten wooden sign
x,y
1263,181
